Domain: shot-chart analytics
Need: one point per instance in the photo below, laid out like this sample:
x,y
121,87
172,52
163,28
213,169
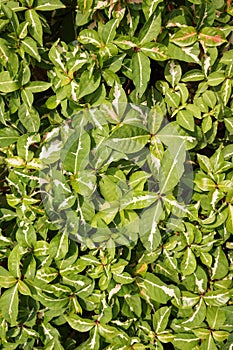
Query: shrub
x,y
116,174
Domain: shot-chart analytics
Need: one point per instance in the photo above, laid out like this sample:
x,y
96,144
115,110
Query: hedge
x,y
116,174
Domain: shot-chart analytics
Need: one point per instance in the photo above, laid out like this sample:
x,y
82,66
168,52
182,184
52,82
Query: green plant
x,y
116,174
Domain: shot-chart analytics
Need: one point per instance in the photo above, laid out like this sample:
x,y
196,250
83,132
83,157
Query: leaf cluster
x,y
116,174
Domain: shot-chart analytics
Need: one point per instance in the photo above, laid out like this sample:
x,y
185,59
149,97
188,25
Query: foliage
x,y
133,101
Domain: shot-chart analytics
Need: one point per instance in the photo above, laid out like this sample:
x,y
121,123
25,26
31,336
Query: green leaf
x,y
185,119
185,36
229,124
172,98
173,73
89,36
221,267
14,260
123,278
140,72
84,183
220,336
189,263
125,42
9,304
148,226
151,29
55,56
185,341
172,168
35,26
119,99
156,51
128,139
215,317
204,183
93,342
198,316
8,136
75,153
8,84
208,344
155,289
138,200
172,135
89,82
49,5
80,324
59,246
215,78
29,118
134,303
23,288
30,47
109,30
161,318
111,334
184,53
37,86
226,89
227,57
218,297
193,75
6,279
211,36
149,7
7,215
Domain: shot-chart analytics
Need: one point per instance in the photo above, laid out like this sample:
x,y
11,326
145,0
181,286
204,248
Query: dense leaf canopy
x,y
116,174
